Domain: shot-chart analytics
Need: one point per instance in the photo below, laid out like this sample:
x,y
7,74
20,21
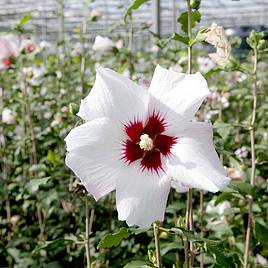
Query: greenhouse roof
x,y
46,22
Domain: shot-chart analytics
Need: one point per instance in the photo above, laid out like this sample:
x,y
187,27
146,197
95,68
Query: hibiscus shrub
x,y
132,120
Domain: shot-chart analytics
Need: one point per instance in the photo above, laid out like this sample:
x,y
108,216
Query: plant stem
x,y
253,162
190,36
88,227
157,245
202,227
189,212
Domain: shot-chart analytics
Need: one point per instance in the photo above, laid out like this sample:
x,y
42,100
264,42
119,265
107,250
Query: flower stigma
x,y
146,143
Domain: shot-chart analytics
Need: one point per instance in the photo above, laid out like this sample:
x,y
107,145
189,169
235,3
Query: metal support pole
x,y
156,17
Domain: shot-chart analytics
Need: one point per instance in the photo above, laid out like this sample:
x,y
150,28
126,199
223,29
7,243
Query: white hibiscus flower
x,y
136,141
103,44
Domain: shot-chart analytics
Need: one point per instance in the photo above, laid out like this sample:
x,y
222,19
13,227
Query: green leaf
x,y
216,249
24,19
113,240
165,248
235,164
254,39
137,264
223,129
261,232
183,20
34,184
14,253
226,196
135,5
50,245
53,157
180,38
243,188
195,4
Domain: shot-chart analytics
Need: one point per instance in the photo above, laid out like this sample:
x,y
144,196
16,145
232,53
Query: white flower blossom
x,y
142,142
29,46
8,116
261,260
119,44
44,45
103,44
33,74
205,64
241,152
95,15
217,209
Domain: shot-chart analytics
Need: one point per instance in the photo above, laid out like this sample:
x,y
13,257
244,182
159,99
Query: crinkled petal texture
x,y
177,96
93,155
141,197
114,96
195,163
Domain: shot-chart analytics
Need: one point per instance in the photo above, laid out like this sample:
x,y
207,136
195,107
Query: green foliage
x,y
137,264
223,129
183,20
19,26
176,37
113,240
195,4
261,230
254,40
34,184
135,5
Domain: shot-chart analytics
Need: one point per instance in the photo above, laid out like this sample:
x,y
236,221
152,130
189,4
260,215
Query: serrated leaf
x,y
183,20
135,5
113,240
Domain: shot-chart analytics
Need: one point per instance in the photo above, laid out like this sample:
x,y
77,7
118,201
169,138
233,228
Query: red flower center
x,y
6,62
147,143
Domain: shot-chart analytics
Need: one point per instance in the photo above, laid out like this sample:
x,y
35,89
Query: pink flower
x,y
29,46
142,142
9,49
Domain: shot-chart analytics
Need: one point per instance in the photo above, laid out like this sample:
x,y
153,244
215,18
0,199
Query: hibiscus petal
x,y
141,197
94,155
115,96
195,163
5,51
177,96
